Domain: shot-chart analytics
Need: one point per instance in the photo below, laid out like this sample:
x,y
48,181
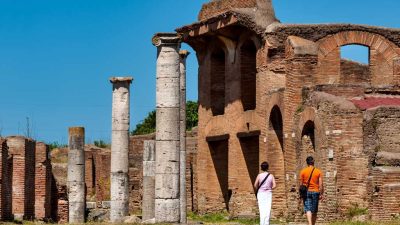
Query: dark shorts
x,y
311,202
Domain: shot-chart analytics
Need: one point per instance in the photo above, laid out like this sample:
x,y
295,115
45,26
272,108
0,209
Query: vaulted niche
x,y
248,73
217,82
354,64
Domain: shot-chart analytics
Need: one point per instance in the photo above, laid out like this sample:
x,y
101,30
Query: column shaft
x,y
167,193
148,180
183,55
120,149
76,175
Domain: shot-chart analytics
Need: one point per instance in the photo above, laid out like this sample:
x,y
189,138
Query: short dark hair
x,y
310,160
264,166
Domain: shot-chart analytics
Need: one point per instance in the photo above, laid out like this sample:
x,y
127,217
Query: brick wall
x,y
288,69
382,146
218,82
219,6
23,183
90,174
102,164
42,182
5,181
248,71
136,170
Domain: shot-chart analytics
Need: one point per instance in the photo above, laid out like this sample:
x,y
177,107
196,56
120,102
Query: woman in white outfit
x,y
264,184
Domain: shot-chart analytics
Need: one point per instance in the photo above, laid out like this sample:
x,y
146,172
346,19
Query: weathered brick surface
x,y
136,170
42,182
302,107
23,175
102,173
217,7
5,181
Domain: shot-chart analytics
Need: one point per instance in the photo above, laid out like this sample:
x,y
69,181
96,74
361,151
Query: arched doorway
x,y
276,160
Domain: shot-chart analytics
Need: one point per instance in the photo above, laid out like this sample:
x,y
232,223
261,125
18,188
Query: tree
x,y
192,115
148,125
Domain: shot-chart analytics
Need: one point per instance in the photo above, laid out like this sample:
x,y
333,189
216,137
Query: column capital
x,y
121,79
160,39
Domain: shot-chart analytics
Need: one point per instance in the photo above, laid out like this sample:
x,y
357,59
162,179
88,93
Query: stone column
x,y
167,197
120,149
76,175
182,156
148,180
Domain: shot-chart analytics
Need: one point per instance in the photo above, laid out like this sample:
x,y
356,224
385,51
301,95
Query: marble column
x,y
120,149
76,175
182,156
167,190
148,180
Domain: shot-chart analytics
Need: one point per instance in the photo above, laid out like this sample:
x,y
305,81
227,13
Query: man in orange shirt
x,y
315,189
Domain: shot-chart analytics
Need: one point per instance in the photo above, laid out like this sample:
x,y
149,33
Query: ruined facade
x,y
276,92
27,185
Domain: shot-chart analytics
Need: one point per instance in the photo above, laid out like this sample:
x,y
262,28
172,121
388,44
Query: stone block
x,y
119,187
76,173
76,191
119,209
167,157
76,212
167,210
106,204
167,186
167,127
76,156
91,205
167,92
149,150
149,168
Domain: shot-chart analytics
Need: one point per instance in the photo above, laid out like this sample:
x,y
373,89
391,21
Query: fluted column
x,y
167,193
120,149
183,55
76,175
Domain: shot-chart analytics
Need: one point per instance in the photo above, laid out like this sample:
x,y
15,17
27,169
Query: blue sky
x,y
56,56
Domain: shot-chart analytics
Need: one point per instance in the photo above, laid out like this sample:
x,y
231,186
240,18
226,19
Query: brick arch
x,y
383,54
247,59
309,114
371,40
276,99
218,57
275,151
249,36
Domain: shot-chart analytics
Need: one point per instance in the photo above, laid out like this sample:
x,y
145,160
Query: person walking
x,y
264,184
311,178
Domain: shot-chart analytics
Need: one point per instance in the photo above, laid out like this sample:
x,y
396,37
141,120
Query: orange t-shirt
x,y
314,182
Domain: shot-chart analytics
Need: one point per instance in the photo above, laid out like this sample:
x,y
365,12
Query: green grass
x,y
395,222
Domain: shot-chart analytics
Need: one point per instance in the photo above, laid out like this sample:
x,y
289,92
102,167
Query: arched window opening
x,y
248,71
218,82
308,137
276,124
354,64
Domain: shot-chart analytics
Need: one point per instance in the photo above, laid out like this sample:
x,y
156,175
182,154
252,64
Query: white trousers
x,y
264,205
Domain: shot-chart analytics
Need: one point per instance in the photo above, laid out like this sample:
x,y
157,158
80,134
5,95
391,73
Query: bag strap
x,y
265,179
309,179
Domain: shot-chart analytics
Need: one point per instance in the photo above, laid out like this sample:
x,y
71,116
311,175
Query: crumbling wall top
x,y
261,10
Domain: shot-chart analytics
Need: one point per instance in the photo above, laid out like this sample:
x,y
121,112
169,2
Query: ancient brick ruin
x,y
267,91
27,184
277,92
